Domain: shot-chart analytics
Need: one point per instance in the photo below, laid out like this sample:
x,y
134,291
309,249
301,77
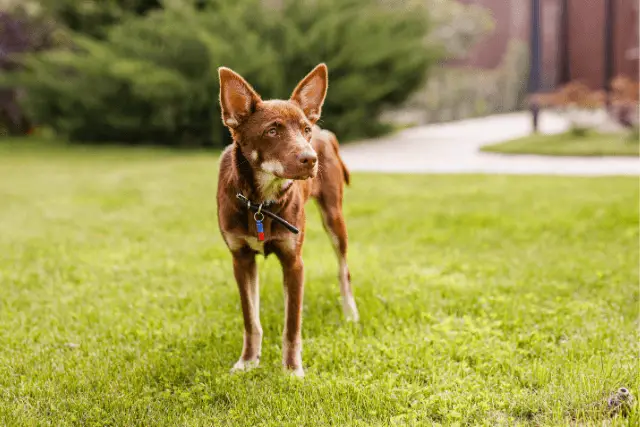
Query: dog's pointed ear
x,y
237,98
311,91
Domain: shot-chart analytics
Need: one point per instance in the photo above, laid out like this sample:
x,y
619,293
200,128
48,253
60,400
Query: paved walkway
x,y
454,148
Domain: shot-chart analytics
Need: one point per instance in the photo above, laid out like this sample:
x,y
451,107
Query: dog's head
x,y
275,135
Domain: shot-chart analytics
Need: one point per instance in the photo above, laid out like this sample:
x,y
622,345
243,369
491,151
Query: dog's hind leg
x,y
334,223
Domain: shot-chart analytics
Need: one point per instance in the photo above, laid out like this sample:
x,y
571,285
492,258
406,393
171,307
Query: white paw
x,y
296,373
245,365
350,310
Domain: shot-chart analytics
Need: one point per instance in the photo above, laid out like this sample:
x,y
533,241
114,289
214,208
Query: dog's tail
x,y
336,149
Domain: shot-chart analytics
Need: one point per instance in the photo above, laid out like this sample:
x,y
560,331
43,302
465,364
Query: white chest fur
x,y
235,242
254,244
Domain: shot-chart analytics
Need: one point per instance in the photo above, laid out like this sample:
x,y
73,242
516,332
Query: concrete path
x,y
454,148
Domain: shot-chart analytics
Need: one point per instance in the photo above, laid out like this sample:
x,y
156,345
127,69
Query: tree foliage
x,y
153,78
19,32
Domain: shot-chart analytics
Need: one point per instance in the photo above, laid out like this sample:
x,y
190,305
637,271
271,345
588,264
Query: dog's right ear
x,y
237,98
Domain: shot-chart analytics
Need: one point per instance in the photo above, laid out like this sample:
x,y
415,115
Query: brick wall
x,y
585,38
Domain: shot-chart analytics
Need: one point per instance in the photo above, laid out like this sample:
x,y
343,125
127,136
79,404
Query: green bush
x,y
455,93
154,77
95,17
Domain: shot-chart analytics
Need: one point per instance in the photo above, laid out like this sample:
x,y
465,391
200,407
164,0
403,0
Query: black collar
x,y
258,208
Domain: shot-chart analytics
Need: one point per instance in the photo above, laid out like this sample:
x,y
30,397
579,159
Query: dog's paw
x,y
350,310
295,372
245,365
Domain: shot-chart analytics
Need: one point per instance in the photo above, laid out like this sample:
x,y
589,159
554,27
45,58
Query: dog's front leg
x,y
246,274
293,275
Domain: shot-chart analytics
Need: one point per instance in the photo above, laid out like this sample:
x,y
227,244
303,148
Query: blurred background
x,y
145,71
485,298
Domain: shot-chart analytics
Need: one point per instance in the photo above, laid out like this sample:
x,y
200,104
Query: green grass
x,y
485,300
566,144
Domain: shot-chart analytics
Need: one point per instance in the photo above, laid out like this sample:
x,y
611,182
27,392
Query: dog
x,y
279,158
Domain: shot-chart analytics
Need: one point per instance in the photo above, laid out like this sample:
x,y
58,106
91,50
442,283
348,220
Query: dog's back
x,y
332,172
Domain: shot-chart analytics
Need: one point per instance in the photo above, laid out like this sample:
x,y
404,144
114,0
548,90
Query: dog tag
x,y
258,218
260,230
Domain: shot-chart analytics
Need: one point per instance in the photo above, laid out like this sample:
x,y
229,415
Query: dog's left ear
x,y
311,91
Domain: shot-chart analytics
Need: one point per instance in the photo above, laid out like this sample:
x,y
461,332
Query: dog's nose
x,y
308,158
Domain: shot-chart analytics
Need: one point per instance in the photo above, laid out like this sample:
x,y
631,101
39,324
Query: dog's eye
x,y
272,132
307,130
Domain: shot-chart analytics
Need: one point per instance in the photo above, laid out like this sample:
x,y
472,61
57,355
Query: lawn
x,y
566,144
485,300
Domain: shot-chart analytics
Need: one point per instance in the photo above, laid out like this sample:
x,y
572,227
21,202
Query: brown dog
x,y
279,158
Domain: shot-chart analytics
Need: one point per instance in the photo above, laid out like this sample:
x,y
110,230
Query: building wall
x,y
510,21
493,77
586,41
585,38
626,38
489,51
